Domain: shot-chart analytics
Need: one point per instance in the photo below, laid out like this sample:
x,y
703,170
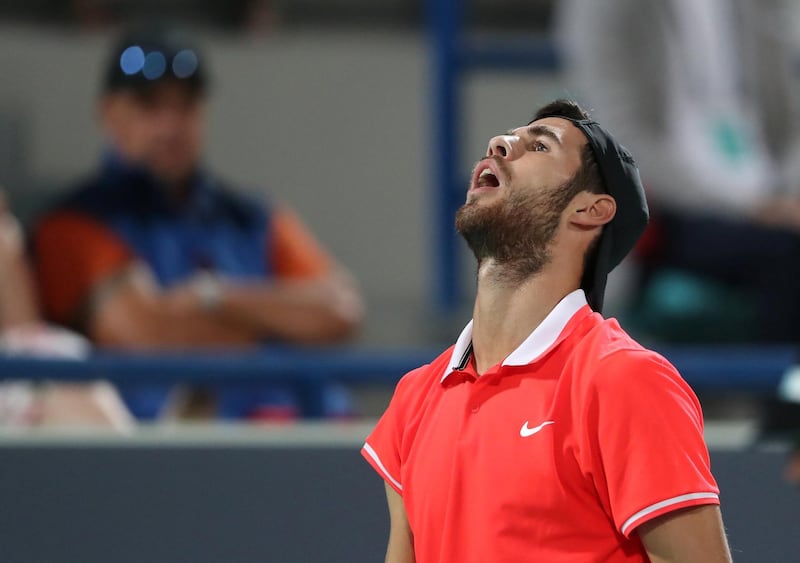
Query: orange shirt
x,y
555,455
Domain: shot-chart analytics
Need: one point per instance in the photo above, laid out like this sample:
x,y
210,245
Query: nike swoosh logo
x,y
525,431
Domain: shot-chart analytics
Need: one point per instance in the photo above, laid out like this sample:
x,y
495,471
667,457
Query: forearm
x,y
18,304
690,535
174,319
400,548
17,301
327,310
133,312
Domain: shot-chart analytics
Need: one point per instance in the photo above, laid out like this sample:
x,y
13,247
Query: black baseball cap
x,y
622,181
150,53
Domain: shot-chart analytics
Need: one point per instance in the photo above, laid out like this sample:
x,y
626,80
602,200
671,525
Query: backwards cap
x,y
621,181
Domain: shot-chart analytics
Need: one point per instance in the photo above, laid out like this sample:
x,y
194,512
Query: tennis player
x,y
546,434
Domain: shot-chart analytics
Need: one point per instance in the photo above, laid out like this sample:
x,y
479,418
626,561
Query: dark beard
x,y
516,234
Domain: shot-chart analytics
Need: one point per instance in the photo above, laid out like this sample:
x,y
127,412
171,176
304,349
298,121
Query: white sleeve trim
x,y
634,520
379,463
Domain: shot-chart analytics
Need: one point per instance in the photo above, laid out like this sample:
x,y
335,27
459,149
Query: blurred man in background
x,y
154,251
706,90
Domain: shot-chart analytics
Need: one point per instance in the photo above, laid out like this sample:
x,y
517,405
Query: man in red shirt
x,y
546,434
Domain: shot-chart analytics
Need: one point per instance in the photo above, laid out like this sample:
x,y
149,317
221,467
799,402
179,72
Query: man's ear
x,y
592,210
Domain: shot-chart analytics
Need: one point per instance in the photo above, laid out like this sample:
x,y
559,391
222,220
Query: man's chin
x,y
472,223
482,195
476,211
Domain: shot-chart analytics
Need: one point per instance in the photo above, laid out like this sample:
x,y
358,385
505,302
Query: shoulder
x,y
609,357
616,374
415,385
83,207
88,198
242,207
71,239
427,374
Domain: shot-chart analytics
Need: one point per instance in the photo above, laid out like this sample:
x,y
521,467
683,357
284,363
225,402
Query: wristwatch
x,y
208,289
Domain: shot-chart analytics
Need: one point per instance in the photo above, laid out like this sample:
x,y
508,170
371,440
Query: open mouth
x,y
485,175
487,179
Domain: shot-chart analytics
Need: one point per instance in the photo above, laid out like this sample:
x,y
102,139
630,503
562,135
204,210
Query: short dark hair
x,y
563,107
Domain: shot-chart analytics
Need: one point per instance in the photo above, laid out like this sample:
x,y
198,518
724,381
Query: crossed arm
x,y
690,535
133,312
90,279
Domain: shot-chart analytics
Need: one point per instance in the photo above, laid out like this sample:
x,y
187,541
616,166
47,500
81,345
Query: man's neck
x,y
505,315
177,191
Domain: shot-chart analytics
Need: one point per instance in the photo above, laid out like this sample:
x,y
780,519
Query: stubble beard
x,y
517,233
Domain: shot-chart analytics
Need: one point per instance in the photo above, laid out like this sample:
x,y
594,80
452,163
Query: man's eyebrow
x,y
540,131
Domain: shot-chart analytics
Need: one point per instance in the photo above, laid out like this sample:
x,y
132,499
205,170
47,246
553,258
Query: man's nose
x,y
505,146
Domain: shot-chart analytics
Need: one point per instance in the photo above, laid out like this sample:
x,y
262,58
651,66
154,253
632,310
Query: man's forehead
x,y
160,89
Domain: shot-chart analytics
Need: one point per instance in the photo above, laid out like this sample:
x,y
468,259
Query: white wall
x,y
334,123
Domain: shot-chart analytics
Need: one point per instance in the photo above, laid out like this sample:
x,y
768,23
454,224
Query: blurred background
x,y
364,117
345,85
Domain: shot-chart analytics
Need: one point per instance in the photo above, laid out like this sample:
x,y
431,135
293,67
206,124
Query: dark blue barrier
x,y
712,369
750,369
304,368
267,365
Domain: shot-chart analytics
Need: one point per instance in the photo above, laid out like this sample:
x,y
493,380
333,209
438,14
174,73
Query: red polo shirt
x,y
557,454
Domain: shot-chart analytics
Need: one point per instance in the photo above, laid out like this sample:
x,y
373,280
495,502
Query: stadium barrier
x,y
745,370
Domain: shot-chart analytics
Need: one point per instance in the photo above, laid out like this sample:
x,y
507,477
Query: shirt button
x,y
475,408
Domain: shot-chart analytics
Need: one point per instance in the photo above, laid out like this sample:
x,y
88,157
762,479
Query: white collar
x,y
538,342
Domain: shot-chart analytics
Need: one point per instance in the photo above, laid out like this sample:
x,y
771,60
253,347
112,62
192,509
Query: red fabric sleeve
x,y
387,445
294,250
644,440
73,253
